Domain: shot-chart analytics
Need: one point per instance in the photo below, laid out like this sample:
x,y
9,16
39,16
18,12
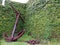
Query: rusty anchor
x,y
12,37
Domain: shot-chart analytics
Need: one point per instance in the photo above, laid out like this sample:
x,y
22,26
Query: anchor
x,y
12,37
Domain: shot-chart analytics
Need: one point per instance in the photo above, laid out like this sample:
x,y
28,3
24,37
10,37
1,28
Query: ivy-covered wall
x,y
43,19
8,16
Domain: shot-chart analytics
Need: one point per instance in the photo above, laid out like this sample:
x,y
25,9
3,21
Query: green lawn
x,y
19,42
24,43
54,43
13,43
25,38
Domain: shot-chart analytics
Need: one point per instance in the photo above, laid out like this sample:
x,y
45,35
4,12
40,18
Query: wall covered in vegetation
x,y
7,17
43,19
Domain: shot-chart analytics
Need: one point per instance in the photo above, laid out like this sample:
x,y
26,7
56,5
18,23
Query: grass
x,y
13,43
25,37
53,43
23,43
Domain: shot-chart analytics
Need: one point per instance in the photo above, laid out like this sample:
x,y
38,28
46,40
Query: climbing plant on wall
x,y
42,18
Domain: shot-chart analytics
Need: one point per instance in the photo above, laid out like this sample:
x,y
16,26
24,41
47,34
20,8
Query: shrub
x,y
42,18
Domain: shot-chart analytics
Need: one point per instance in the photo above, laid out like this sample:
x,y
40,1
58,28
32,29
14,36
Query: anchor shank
x,y
15,26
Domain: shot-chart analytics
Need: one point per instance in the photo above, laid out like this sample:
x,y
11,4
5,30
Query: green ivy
x,y
42,18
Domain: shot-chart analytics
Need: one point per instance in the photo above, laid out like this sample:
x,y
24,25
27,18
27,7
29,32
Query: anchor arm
x,y
19,35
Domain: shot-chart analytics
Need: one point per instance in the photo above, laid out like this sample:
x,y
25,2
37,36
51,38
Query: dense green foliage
x,y
7,17
43,19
